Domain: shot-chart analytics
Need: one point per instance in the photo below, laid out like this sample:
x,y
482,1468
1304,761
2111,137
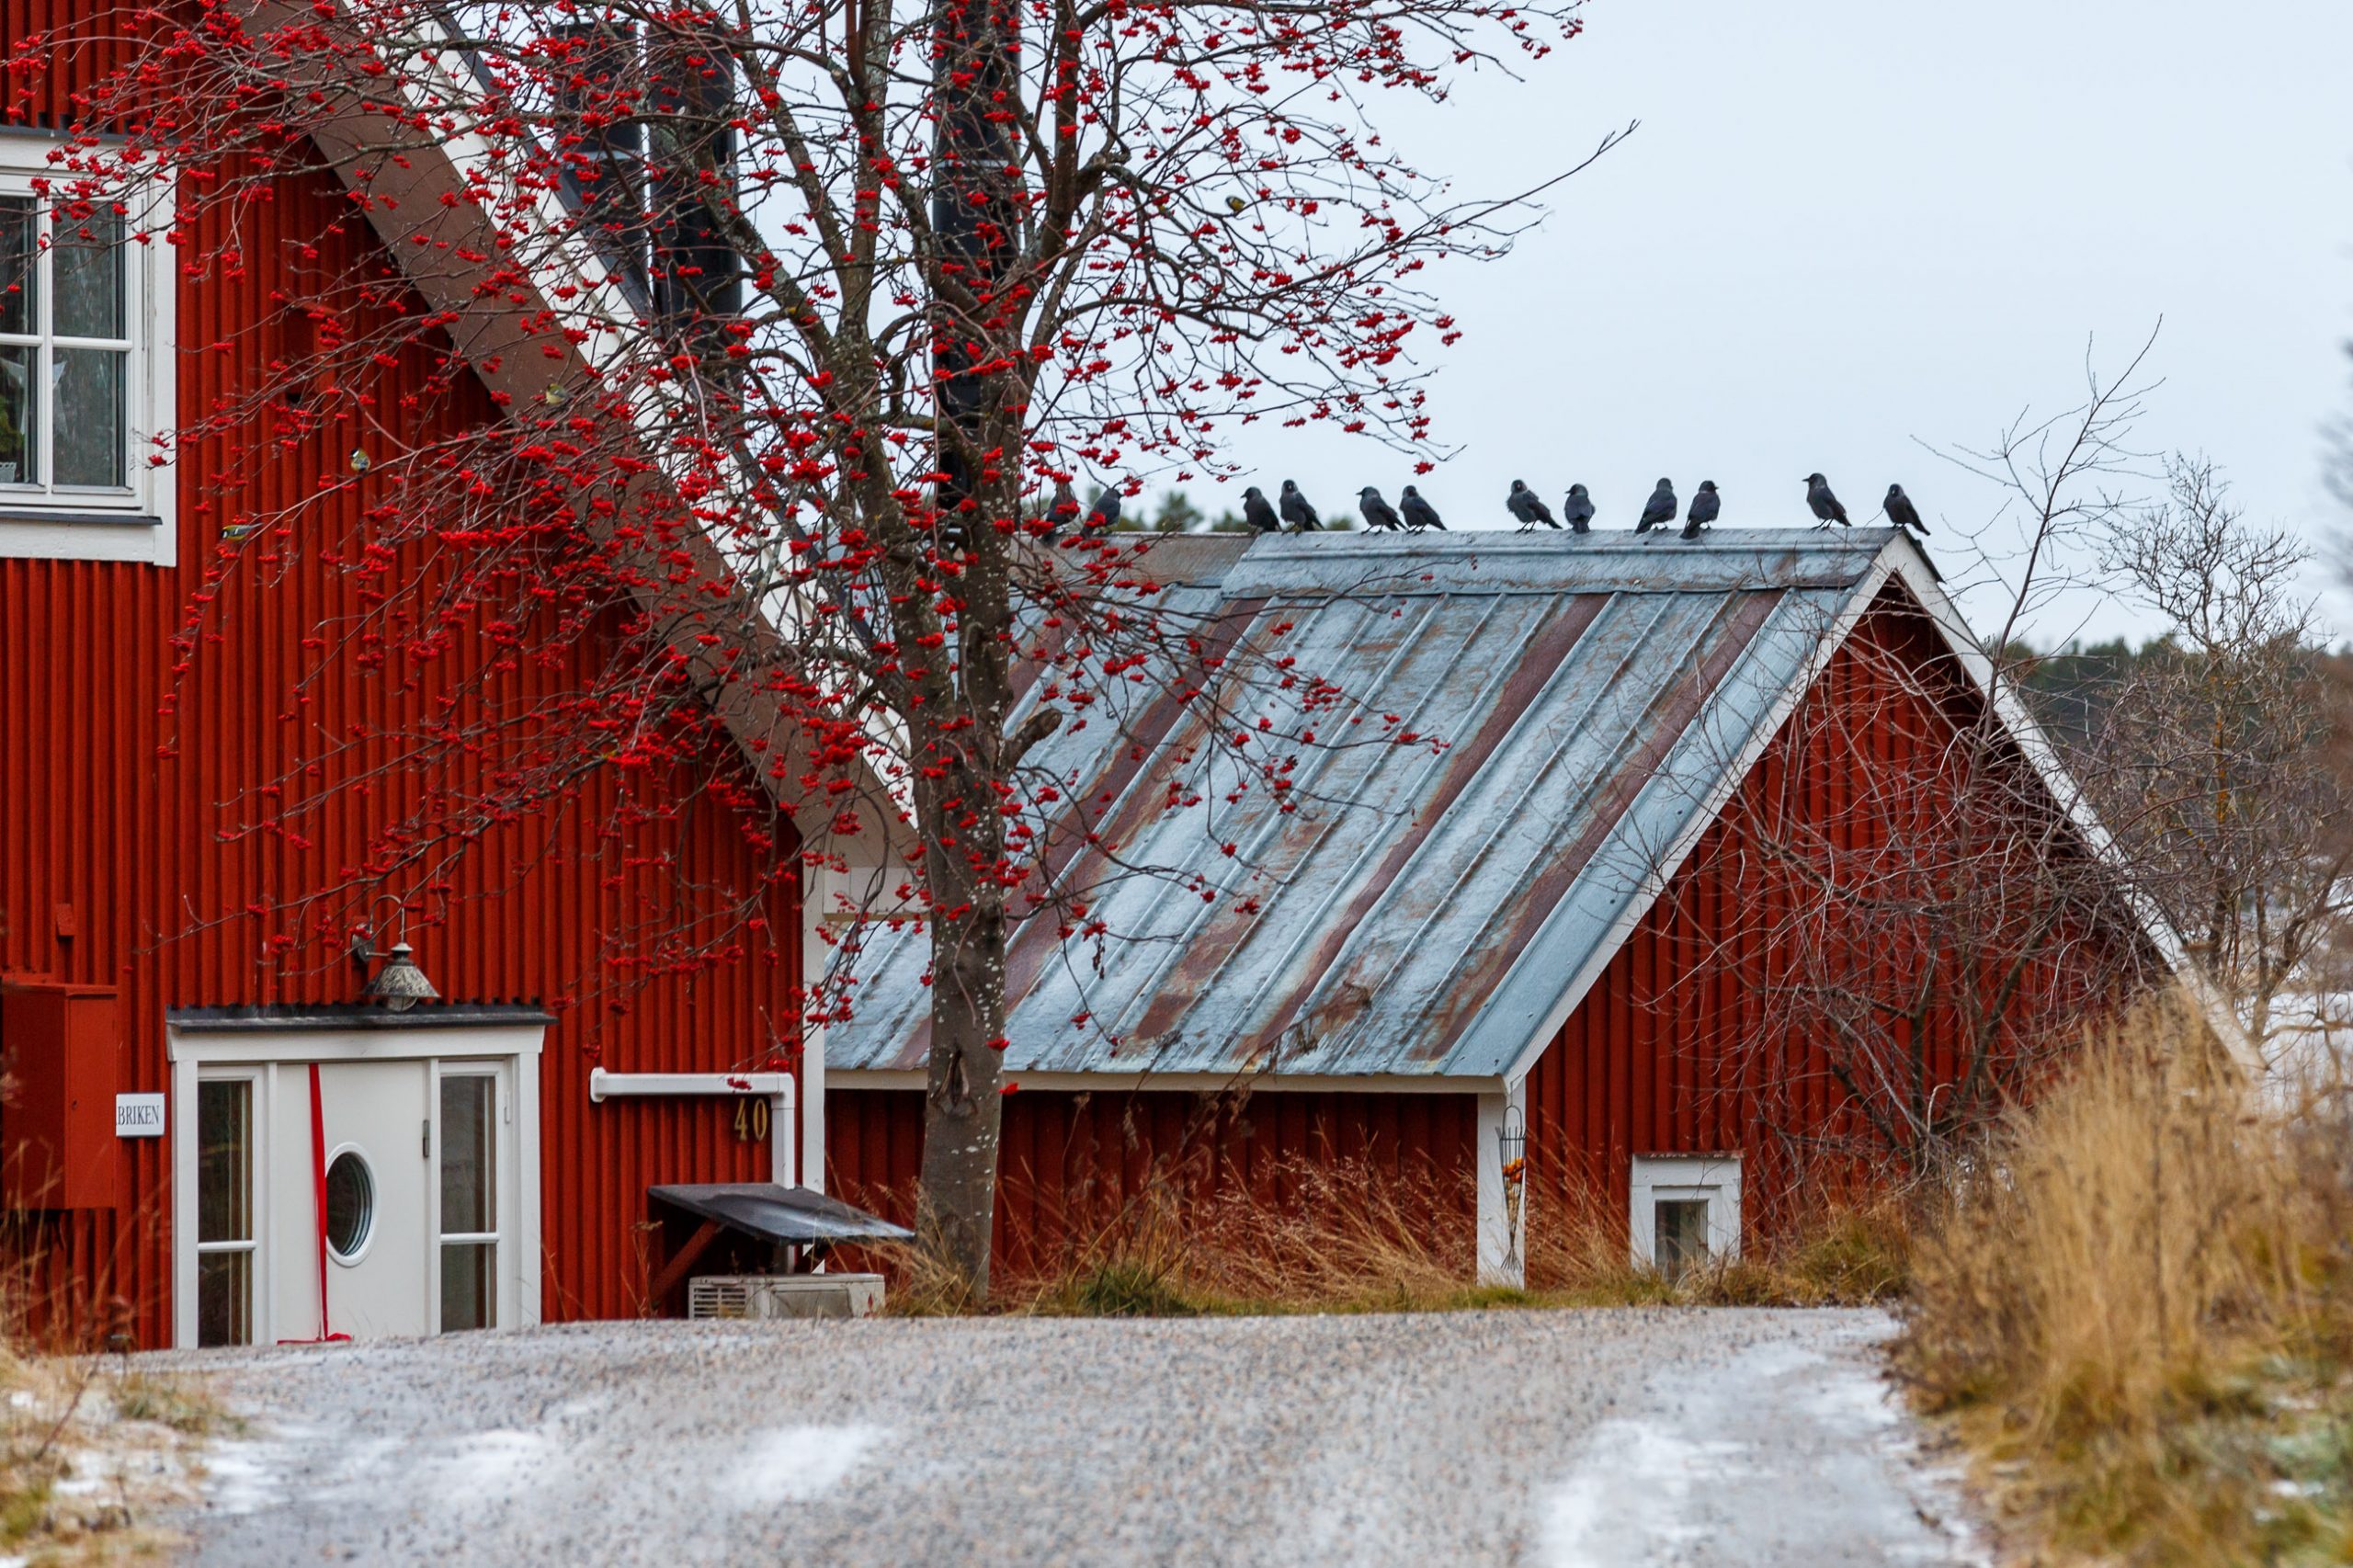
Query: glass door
x,y
470,1238
225,1242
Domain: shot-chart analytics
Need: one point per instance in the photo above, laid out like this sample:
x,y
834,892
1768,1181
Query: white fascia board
x,y
1194,1082
1662,868
222,1047
2019,721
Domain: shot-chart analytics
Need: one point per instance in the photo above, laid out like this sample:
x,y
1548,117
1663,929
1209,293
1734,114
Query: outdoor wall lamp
x,y
400,985
1511,1154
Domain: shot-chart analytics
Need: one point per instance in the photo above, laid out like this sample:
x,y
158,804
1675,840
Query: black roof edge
x,y
353,1015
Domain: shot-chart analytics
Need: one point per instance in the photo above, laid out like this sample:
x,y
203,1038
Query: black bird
x,y
1419,514
1106,510
1704,507
1061,512
1296,511
1659,510
1258,513
1827,506
1578,509
1378,514
1901,513
1528,507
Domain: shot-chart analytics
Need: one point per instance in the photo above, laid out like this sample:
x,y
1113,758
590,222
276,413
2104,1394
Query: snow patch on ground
x,y
792,1464
1779,1454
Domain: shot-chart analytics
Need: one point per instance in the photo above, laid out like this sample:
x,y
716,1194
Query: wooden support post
x,y
676,1269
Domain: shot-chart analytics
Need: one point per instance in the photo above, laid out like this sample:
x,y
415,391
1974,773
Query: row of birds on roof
x,y
1292,512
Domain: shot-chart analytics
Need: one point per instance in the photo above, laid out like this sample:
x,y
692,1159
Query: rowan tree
x,y
800,326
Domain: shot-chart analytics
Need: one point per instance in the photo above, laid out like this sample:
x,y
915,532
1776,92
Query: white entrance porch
x,y
351,1172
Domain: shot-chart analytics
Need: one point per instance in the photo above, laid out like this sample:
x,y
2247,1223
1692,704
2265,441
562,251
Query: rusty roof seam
x,y
1267,833
1626,746
1413,789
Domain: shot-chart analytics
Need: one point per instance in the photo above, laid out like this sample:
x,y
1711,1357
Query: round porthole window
x,y
351,1204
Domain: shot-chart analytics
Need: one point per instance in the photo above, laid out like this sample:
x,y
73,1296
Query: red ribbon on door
x,y
319,1208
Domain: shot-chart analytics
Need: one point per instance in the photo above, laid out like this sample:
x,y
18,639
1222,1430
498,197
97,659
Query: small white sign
x,y
139,1116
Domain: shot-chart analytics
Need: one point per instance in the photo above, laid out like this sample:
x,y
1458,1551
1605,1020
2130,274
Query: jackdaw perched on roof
x,y
1378,514
1419,514
1061,512
1659,510
1258,512
1827,506
1296,511
1578,509
1106,510
1901,513
1529,509
1704,507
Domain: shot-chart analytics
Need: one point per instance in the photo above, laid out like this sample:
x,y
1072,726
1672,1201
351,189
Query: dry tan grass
x,y
1353,1236
2137,1311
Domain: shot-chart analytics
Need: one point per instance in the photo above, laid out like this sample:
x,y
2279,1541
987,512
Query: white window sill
x,y
42,534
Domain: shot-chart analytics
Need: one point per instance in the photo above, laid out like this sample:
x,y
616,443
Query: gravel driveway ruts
x,y
1567,1437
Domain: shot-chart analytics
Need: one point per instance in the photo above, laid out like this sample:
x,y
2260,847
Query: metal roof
x,y
1424,910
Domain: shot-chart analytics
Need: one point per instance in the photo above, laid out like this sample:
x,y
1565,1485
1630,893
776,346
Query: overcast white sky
x,y
1848,223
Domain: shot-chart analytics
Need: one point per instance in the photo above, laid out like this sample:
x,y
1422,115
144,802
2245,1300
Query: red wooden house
x,y
230,1135
1724,871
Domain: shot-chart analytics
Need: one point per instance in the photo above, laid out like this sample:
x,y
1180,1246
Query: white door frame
x,y
266,1047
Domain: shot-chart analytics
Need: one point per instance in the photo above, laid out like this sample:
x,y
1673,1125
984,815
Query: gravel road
x,y
1562,1437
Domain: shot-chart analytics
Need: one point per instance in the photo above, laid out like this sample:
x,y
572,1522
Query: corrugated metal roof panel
x,y
1424,908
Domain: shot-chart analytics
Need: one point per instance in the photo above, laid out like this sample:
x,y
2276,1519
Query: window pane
x,y
468,1298
20,307
1680,1238
468,1201
90,386
351,1203
86,270
224,1159
224,1296
18,408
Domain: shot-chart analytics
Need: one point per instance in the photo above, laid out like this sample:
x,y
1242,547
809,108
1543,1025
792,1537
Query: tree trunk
x,y
963,1109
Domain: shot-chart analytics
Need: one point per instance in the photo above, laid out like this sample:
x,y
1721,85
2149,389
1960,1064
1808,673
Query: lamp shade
x,y
400,985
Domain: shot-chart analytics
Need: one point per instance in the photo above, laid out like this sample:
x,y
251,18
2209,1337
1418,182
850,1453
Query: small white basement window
x,y
1686,1209
86,369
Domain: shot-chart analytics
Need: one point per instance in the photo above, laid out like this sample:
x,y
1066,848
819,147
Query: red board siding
x,y
110,807
1072,1162
1681,1045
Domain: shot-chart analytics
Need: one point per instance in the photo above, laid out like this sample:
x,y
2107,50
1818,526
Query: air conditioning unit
x,y
784,1296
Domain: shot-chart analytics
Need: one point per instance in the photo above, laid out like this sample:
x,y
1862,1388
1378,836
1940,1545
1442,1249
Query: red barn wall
x,y
110,809
1075,1165
1680,1046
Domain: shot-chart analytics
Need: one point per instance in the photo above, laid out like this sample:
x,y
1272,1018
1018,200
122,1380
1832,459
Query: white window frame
x,y
1711,1179
138,522
503,1189
280,1056
256,1245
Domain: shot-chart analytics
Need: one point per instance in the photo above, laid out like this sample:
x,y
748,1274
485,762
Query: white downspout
x,y
774,1088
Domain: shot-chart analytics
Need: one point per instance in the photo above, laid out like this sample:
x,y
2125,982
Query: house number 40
x,y
751,1121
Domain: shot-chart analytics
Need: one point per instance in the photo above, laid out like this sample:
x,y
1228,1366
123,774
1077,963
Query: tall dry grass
x,y
2136,1307
1353,1235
